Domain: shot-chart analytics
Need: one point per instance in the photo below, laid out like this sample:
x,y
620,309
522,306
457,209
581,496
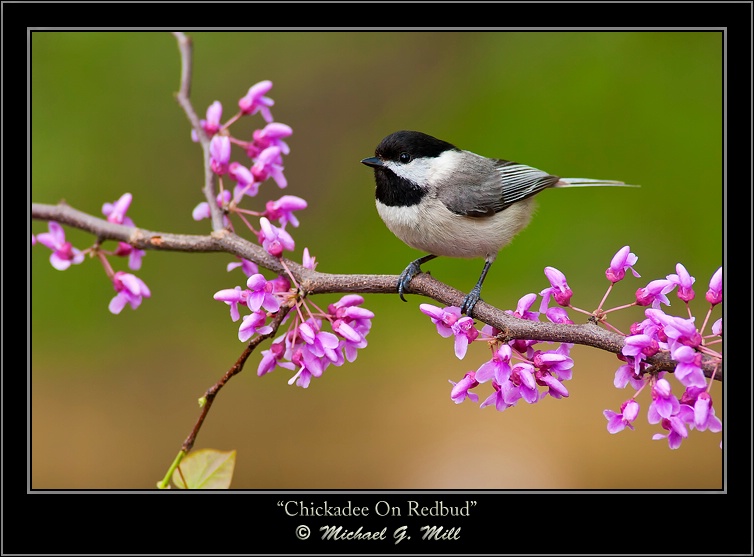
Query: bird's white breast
x,y
432,228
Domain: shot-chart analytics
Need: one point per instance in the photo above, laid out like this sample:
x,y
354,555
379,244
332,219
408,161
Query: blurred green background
x,y
113,397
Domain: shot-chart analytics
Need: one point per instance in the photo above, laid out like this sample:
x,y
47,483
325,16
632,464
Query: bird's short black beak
x,y
372,161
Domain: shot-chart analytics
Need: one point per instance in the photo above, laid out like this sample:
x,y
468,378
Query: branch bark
x,y
314,282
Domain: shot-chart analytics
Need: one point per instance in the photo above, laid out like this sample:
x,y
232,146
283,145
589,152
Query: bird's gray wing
x,y
508,183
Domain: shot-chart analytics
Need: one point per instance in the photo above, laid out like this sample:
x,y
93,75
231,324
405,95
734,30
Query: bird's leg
x,y
413,269
474,296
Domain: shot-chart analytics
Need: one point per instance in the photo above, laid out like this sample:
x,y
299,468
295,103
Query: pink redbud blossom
x,y
684,281
559,289
280,284
497,398
460,390
558,315
116,212
219,150
704,414
498,368
555,388
310,366
621,261
443,319
654,293
309,261
628,412
130,290
523,306
247,267
348,300
689,369
202,210
523,384
261,294
254,101
282,209
273,239
465,333
272,357
715,293
210,125
271,135
664,403
557,362
625,375
679,331
245,183
346,331
269,164
63,253
253,324
321,343
639,347
233,297
134,255
676,431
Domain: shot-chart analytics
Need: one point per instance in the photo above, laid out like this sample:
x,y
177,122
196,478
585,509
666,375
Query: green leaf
x,y
205,469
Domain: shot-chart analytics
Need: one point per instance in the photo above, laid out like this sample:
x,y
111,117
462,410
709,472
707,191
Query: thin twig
x,y
182,96
211,393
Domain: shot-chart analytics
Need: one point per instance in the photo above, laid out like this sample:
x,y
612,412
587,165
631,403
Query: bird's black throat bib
x,y
394,191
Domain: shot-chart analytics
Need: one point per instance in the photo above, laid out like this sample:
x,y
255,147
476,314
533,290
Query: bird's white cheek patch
x,y
440,168
423,170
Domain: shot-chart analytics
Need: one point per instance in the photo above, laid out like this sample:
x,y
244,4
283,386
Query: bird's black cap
x,y
416,144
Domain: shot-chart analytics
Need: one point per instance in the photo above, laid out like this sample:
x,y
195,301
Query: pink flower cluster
x,y
305,346
130,289
265,149
517,370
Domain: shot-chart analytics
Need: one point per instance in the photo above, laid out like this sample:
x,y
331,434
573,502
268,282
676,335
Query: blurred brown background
x,y
113,397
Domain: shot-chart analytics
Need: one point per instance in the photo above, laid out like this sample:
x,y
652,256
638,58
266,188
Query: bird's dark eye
x,y
404,158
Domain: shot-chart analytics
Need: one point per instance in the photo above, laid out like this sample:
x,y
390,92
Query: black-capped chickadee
x,y
446,201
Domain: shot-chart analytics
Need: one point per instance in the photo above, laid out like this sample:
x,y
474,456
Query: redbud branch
x,y
589,334
182,96
314,282
185,46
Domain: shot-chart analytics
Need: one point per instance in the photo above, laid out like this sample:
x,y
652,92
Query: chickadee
x,y
443,200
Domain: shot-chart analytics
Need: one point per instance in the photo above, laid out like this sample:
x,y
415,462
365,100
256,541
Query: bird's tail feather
x,y
584,182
